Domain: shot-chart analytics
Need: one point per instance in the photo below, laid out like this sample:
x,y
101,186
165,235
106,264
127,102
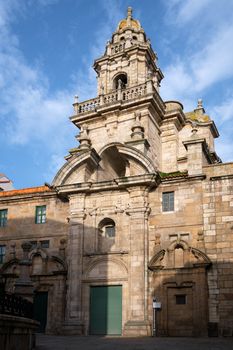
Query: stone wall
x,y
17,333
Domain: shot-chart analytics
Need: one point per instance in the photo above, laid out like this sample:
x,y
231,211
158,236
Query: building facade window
x,y
107,228
168,201
2,253
40,214
3,217
109,231
34,244
180,299
44,244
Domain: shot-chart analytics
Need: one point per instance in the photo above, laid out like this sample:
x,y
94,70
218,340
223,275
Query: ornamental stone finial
x,y
200,109
199,103
129,12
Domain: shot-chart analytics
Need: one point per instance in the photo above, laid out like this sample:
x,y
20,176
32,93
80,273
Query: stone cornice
x,y
153,97
205,147
151,180
221,177
183,179
115,252
210,123
130,50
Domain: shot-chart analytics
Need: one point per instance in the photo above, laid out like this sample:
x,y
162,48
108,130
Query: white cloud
x,y
196,13
182,11
85,79
224,111
193,74
177,81
215,62
24,94
30,113
189,9
204,64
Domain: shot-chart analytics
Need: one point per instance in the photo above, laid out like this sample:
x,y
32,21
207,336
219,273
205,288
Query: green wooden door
x,y
106,310
40,309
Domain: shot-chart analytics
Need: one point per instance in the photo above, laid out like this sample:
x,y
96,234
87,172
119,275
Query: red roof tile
x,y
25,191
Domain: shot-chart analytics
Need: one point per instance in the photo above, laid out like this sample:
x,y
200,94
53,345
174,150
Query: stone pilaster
x,y
74,323
24,285
210,241
173,122
138,324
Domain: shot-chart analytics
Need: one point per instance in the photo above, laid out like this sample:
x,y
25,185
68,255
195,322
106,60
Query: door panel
x,y
40,310
106,310
180,312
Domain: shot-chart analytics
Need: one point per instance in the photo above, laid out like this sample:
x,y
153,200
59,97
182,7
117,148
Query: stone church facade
x,y
141,211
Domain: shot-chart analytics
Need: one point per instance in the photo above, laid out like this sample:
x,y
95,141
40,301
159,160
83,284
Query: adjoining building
x,y
141,211
5,183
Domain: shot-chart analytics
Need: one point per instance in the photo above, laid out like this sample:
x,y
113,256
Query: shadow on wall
x,y
47,260
34,264
195,294
182,278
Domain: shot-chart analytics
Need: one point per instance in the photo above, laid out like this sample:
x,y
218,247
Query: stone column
x,y
24,285
73,319
138,323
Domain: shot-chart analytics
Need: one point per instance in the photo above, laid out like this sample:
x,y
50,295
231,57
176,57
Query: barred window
x,y
168,201
34,244
3,217
180,299
2,253
40,214
44,244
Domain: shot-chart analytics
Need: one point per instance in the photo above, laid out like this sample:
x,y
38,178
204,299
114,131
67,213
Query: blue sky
x,y
47,48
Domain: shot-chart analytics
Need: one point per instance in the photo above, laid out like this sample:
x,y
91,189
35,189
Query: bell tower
x,y
128,59
128,109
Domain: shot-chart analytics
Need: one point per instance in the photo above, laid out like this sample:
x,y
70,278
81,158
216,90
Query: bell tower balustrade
x,y
119,95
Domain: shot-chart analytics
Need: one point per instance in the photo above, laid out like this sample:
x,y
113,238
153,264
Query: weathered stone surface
x,y
133,148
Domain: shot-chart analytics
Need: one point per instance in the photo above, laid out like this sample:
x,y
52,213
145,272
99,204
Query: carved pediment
x,y
156,263
179,255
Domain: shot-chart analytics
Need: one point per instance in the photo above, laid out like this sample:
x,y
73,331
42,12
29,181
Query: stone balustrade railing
x,y
119,47
116,95
87,106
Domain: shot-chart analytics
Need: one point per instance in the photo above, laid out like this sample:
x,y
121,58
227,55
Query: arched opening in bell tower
x,y
120,81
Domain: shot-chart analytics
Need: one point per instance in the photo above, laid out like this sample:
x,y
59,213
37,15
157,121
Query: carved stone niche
x,y
179,255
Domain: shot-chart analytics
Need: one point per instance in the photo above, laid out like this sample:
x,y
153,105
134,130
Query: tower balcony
x,y
120,98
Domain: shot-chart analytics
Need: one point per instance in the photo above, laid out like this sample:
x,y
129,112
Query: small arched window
x,y
120,81
122,38
107,228
135,38
179,256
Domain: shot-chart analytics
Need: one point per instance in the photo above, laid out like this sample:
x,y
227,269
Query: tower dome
x,y
129,22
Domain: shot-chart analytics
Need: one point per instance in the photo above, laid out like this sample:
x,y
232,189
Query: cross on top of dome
x,y
129,22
